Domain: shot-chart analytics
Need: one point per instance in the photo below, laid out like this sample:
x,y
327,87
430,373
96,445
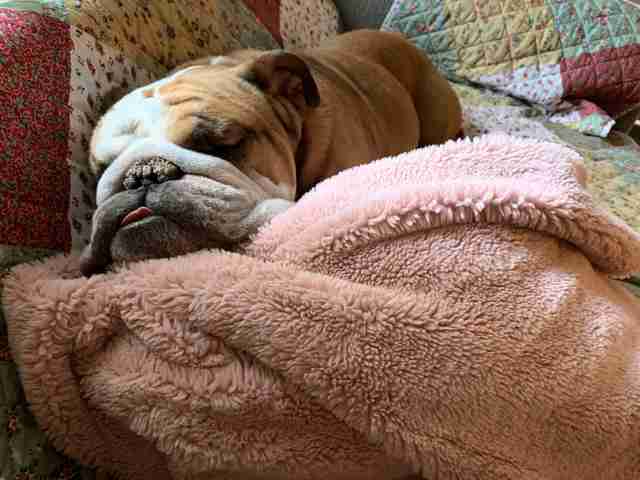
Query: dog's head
x,y
199,159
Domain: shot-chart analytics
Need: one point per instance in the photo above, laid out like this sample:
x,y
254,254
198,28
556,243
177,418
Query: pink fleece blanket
x,y
448,313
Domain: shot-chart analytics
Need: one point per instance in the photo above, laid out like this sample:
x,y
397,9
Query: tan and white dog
x,y
241,137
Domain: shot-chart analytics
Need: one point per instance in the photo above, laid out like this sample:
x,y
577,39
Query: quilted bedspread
x,y
578,58
613,163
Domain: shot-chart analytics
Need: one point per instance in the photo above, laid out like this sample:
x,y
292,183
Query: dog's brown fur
x,y
379,96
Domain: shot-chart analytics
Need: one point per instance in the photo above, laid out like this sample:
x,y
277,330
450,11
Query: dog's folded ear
x,y
286,74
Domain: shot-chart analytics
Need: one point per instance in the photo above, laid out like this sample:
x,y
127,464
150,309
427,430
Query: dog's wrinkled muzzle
x,y
158,199
188,161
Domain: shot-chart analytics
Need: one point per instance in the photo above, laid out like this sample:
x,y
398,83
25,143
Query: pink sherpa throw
x,y
448,313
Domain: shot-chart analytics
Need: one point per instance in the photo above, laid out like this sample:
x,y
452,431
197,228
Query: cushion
x,y
296,23
580,59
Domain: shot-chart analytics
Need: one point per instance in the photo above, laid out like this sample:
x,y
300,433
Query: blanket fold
x,y
448,313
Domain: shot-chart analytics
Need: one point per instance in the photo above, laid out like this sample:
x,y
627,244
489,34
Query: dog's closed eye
x,y
220,138
205,145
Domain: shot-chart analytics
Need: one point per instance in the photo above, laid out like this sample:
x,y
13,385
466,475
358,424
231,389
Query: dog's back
x,y
436,103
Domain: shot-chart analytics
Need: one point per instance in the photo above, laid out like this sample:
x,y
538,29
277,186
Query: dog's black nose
x,y
148,171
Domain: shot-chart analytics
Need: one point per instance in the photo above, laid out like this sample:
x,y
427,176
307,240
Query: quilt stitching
x,y
540,50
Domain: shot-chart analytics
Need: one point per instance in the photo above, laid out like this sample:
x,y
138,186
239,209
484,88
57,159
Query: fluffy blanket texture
x,y
448,313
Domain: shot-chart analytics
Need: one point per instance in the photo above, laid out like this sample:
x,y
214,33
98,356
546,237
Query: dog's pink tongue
x,y
134,216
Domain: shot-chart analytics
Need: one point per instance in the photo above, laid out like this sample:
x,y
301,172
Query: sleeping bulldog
x,y
206,156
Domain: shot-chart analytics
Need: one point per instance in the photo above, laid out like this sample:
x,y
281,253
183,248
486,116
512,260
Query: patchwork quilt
x,y
580,59
613,163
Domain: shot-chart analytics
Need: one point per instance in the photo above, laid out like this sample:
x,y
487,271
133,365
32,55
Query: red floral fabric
x,y
34,93
610,77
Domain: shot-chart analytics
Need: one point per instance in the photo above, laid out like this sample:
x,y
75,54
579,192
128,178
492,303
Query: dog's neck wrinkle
x,y
341,75
310,133
318,125
313,148
292,122
290,118
300,160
